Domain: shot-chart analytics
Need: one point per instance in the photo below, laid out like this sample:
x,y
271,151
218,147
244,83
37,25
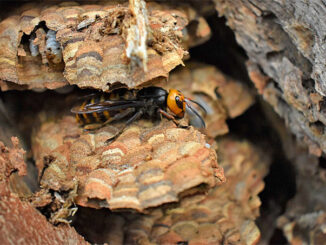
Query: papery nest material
x,y
144,167
228,212
96,44
225,213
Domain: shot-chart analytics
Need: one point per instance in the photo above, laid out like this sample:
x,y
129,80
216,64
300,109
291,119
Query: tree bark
x,y
285,44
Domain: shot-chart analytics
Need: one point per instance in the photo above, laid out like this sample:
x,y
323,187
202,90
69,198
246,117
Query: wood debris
x,y
136,47
20,221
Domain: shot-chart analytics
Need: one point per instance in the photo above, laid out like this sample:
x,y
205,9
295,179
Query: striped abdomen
x,y
101,117
95,117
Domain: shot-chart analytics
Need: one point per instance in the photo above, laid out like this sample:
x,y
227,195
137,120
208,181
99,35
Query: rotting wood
x,y
20,221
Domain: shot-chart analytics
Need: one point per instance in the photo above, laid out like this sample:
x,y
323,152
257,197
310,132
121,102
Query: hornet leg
x,y
136,116
171,117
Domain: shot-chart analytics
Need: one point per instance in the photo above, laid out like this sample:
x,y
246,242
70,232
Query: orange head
x,y
176,102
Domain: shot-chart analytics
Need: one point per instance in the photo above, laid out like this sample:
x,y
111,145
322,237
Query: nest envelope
x,y
93,41
142,168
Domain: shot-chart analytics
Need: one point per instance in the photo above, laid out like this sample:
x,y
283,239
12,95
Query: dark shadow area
x,y
222,50
255,127
322,162
278,238
94,224
23,107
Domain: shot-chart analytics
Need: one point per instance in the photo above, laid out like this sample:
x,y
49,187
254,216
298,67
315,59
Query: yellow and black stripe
x,y
95,117
101,117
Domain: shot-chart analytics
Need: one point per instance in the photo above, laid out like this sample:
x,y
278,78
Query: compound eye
x,y
179,102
